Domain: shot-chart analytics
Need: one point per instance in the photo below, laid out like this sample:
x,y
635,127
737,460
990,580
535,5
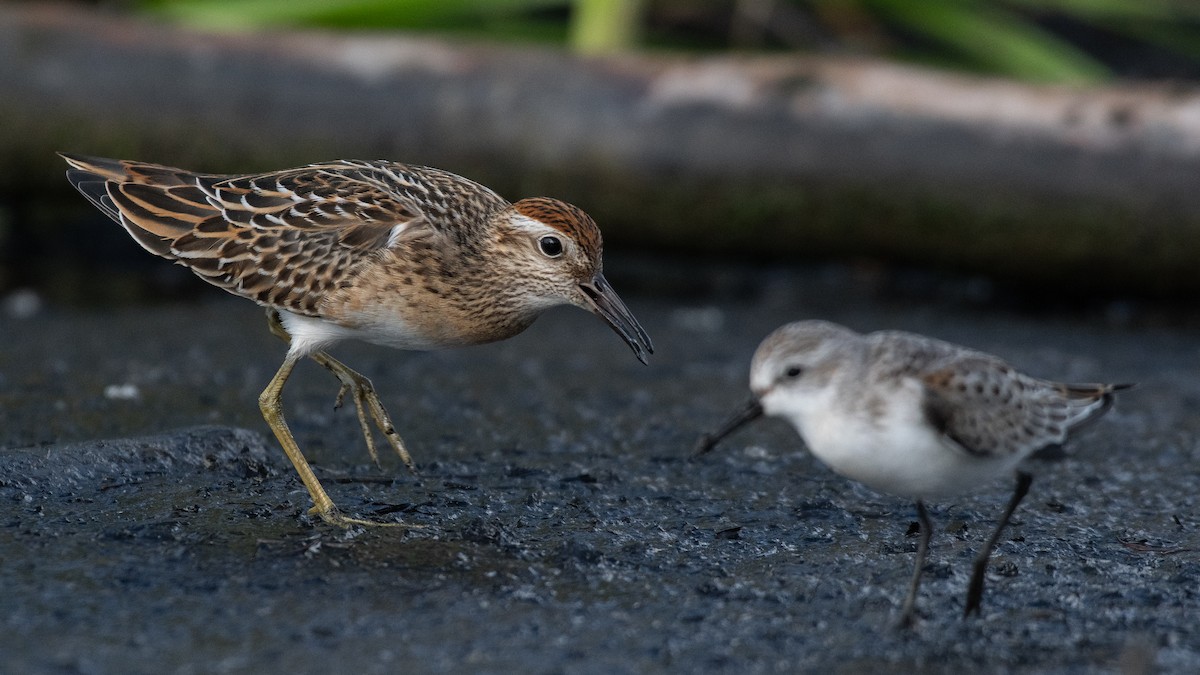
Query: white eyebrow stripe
x,y
534,226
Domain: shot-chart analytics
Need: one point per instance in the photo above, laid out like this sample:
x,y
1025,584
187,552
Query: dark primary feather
x,y
284,238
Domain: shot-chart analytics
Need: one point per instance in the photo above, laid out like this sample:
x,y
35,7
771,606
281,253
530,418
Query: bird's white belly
x,y
901,457
310,334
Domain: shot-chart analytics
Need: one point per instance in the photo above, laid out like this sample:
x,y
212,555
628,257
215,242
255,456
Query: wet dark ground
x,y
564,529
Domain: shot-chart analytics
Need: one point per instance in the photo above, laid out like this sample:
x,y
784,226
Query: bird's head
x,y
556,251
794,365
790,374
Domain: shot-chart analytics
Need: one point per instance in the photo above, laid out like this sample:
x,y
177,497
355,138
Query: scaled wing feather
x,y
283,239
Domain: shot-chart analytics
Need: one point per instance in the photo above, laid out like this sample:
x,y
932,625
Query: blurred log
x,y
776,156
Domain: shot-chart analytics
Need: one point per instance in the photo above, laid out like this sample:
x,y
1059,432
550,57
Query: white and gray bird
x,y
912,416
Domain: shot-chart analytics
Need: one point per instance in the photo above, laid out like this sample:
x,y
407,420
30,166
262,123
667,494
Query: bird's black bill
x,y
709,441
609,307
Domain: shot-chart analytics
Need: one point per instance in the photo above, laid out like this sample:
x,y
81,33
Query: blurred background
x,y
1034,152
1019,176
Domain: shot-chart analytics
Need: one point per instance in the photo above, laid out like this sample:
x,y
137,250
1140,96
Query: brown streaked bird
x,y
913,416
404,256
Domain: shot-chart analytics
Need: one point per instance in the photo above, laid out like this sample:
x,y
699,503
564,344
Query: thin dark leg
x,y
907,615
975,590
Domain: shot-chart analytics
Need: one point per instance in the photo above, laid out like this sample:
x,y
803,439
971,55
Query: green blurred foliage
x,y
1040,40
1028,39
605,26
504,19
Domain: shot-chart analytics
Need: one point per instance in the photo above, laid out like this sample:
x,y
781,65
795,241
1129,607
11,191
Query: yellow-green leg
x,y
364,397
271,403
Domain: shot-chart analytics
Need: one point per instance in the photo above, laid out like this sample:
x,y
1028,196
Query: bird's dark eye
x,y
793,372
551,246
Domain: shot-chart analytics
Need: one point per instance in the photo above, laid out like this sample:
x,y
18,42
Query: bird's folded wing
x,y
986,408
282,239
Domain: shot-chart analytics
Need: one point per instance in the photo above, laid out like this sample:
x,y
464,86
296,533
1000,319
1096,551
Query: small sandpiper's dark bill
x,y
404,256
912,416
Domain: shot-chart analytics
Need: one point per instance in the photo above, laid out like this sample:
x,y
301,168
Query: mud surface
x,y
563,528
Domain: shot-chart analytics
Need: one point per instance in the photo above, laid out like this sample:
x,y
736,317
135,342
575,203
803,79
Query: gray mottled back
x,y
983,404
